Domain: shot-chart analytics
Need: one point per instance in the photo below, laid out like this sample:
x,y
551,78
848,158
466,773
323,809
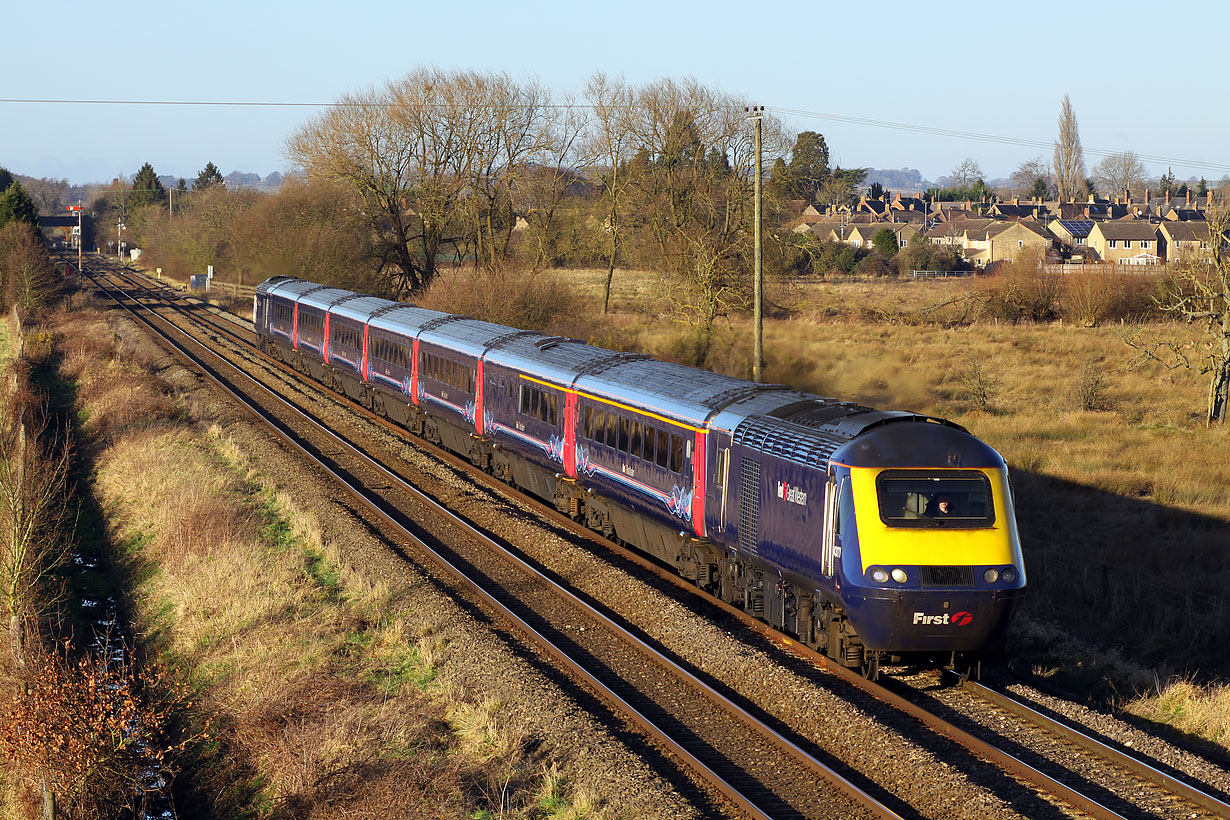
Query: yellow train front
x,y
924,541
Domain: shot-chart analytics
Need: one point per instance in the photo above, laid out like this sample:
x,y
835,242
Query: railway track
x,y
1099,781
762,772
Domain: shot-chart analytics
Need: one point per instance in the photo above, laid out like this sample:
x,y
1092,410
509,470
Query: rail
x,y
978,746
476,581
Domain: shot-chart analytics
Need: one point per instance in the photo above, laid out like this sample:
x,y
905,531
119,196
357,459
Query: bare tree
x,y
1027,175
691,191
1069,158
558,168
33,518
611,143
1201,297
967,172
1120,172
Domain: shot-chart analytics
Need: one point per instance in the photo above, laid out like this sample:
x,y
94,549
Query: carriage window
x,y
634,440
553,415
664,448
534,399
625,434
599,434
676,454
612,430
935,498
587,422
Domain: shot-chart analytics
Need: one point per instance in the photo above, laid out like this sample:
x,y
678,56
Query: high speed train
x,y
870,535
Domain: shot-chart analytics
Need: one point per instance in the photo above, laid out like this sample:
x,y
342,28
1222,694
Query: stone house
x,y
1125,242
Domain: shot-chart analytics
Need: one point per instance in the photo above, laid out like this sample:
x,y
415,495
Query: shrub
x,y
874,265
1020,291
977,385
536,301
1091,388
1091,297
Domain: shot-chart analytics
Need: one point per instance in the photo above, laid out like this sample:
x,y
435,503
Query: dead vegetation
x,y
323,689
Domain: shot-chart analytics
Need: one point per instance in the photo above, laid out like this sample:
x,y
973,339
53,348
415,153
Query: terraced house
x,y
1124,242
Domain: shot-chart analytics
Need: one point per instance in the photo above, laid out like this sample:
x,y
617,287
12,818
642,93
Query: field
x,y
1123,494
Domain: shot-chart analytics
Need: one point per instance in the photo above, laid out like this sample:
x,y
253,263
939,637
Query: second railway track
x,y
618,655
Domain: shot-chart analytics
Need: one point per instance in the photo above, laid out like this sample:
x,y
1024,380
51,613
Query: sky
x,y
1140,74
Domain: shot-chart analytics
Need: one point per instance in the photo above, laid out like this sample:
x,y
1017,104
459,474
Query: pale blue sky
x,y
1140,74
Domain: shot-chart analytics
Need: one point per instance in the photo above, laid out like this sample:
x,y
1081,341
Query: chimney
x,y
1189,197
1208,198
1091,200
1016,200
1148,196
1167,197
1127,195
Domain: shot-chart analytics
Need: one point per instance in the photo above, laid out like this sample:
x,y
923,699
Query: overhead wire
x,y
780,110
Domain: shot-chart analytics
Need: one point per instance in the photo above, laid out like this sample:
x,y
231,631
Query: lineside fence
x,y
939,274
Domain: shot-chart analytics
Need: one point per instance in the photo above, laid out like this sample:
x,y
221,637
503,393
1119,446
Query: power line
x,y
994,138
793,112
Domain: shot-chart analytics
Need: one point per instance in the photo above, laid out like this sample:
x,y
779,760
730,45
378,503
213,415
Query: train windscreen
x,y
940,498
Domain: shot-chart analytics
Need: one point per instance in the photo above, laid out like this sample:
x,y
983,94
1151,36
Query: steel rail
x,y
842,784
976,745
1078,738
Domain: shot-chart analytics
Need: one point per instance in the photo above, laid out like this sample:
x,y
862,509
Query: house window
x,y
1080,240
1145,243
1112,243
1020,243
1127,243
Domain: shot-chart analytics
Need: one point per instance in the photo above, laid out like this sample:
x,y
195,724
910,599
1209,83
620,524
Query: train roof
x,y
673,390
360,308
324,298
287,286
550,358
918,441
463,334
400,317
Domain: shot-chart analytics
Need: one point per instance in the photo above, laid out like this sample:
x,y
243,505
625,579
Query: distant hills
x,y
235,179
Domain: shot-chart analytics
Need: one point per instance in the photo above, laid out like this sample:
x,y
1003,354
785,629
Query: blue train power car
x,y
867,534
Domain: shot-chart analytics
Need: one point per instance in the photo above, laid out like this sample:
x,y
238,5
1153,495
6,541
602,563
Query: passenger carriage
x,y
816,515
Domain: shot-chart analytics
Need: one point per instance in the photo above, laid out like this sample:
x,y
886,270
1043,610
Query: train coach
x,y
867,534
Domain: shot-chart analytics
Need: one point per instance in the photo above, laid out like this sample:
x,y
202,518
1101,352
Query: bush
x,y
534,301
1092,297
875,265
1020,291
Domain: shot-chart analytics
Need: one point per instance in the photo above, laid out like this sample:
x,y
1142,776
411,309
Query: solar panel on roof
x,y
1077,226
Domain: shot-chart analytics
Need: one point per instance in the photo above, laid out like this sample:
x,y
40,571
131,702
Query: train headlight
x,y
899,575
1009,575
991,576
879,576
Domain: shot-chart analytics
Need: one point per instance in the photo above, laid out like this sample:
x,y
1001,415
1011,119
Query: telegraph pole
x,y
757,112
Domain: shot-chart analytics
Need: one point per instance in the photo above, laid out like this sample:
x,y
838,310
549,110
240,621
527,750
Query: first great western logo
x,y
792,495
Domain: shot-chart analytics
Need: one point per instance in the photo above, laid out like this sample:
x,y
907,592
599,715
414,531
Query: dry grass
x,y
1123,496
326,689
1203,711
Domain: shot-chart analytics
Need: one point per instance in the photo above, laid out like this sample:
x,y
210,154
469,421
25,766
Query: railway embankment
x,y
326,677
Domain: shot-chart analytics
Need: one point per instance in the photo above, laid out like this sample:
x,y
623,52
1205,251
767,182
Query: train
x,y
872,536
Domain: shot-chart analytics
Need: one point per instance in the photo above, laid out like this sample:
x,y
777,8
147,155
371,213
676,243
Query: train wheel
x,y
871,665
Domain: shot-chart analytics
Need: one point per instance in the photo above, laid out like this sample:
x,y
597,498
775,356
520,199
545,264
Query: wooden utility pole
x,y
757,268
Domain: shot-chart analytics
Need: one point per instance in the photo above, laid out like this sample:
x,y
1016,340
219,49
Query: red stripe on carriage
x,y
414,372
570,434
478,397
366,328
698,485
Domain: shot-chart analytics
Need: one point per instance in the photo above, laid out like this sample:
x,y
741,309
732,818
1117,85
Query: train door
x,y
830,523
